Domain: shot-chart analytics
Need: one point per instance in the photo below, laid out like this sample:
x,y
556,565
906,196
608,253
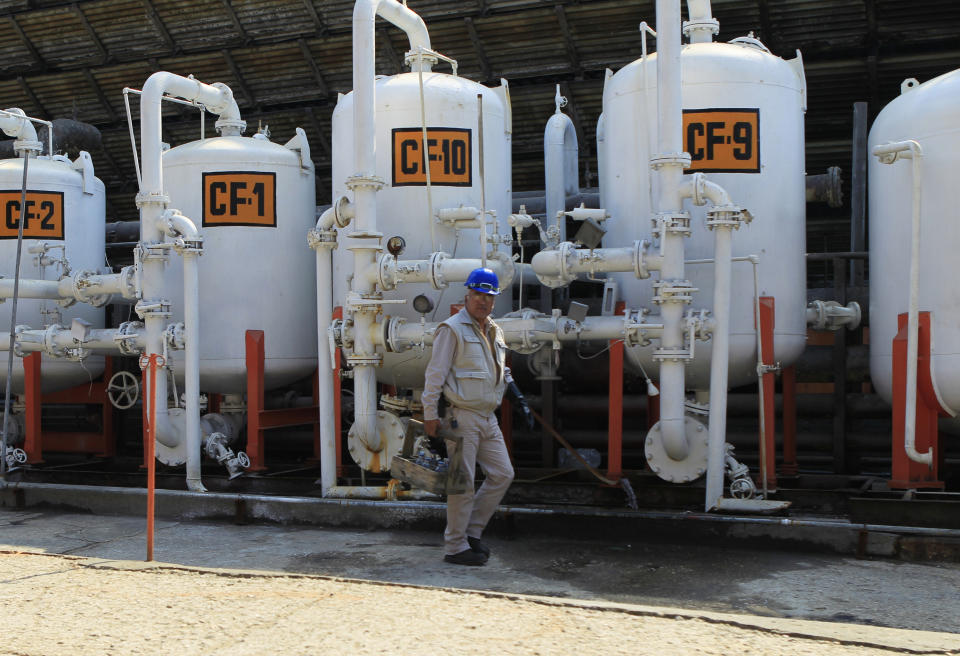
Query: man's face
x,y
479,305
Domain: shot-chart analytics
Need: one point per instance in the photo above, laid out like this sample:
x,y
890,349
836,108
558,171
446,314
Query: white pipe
x,y
56,339
21,129
365,184
82,286
888,154
325,397
377,492
719,363
152,201
702,25
560,164
669,173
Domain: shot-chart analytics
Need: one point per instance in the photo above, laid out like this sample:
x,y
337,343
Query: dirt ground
x,y
57,604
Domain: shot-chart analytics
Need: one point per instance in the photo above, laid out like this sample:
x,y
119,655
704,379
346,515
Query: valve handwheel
x,y
123,390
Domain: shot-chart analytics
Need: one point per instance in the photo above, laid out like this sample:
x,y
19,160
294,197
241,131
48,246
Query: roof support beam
x,y
568,41
159,26
28,43
236,22
317,75
235,71
92,81
478,48
383,40
317,21
44,114
104,55
318,129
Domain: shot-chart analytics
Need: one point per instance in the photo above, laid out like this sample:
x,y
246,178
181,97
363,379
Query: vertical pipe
x,y
150,430
325,398
669,201
615,408
191,320
719,361
483,183
840,373
858,190
765,319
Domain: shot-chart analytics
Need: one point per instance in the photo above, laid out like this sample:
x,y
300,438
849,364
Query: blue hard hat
x,y
483,280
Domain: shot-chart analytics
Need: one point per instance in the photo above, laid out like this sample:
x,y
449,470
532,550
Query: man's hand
x,y
431,427
521,403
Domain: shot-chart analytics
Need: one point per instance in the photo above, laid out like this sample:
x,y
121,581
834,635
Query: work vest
x,y
476,380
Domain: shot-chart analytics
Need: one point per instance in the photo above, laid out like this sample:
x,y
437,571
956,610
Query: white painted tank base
x,y
718,77
83,207
926,113
252,277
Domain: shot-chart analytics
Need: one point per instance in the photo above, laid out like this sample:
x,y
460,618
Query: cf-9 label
x,y
239,198
722,140
449,151
43,218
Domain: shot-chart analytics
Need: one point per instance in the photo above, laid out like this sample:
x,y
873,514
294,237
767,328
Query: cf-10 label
x,y
42,220
239,198
722,140
449,151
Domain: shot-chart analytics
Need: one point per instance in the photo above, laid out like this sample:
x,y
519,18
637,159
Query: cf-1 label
x,y
722,140
449,151
42,220
240,198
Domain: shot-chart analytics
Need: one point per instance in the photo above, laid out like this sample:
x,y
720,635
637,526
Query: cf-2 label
x,y
449,151
42,220
722,140
240,198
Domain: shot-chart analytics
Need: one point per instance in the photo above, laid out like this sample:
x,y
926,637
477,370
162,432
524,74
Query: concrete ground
x,y
755,585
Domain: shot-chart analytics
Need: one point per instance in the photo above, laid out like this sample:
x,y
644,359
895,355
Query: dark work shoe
x,y
466,557
479,546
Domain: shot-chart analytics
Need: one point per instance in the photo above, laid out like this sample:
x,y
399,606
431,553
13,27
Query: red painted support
x,y
906,473
213,402
769,445
145,417
255,361
33,442
653,411
615,407
101,443
788,379
337,410
149,436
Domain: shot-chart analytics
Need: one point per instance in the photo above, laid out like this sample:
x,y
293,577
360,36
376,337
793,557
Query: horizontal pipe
x,y
56,339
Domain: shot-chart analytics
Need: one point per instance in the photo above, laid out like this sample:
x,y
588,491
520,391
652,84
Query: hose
x,y
623,483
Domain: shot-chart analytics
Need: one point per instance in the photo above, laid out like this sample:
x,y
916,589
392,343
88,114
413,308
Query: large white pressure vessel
x,y
403,208
928,114
743,127
65,211
254,203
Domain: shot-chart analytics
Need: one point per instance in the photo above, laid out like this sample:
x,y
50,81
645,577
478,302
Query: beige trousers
x,y
468,513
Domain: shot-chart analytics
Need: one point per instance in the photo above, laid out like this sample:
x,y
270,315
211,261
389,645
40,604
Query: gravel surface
x,y
83,606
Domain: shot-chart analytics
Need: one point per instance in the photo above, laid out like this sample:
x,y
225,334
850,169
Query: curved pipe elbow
x,y
19,128
365,14
700,190
175,224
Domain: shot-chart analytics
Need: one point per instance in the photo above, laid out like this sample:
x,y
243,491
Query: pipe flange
x,y
175,336
151,198
364,359
660,160
80,281
318,239
639,259
126,337
679,471
673,291
386,272
436,274
671,354
152,309
711,25
340,214
392,430
355,182
671,222
412,56
227,126
729,216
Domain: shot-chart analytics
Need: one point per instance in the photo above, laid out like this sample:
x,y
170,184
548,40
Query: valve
x,y
123,390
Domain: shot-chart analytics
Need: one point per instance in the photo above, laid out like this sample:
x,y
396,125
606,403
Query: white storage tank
x,y
926,113
743,127
65,211
254,202
403,208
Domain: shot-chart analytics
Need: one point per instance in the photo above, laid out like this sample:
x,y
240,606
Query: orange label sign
x,y
722,140
240,198
42,220
449,151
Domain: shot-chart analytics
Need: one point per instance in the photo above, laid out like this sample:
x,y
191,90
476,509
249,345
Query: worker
x,y
468,368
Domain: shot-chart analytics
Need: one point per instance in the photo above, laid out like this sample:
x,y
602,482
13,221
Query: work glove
x,y
517,396
438,445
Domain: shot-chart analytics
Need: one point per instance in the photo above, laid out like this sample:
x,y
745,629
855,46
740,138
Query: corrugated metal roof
x,y
63,57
